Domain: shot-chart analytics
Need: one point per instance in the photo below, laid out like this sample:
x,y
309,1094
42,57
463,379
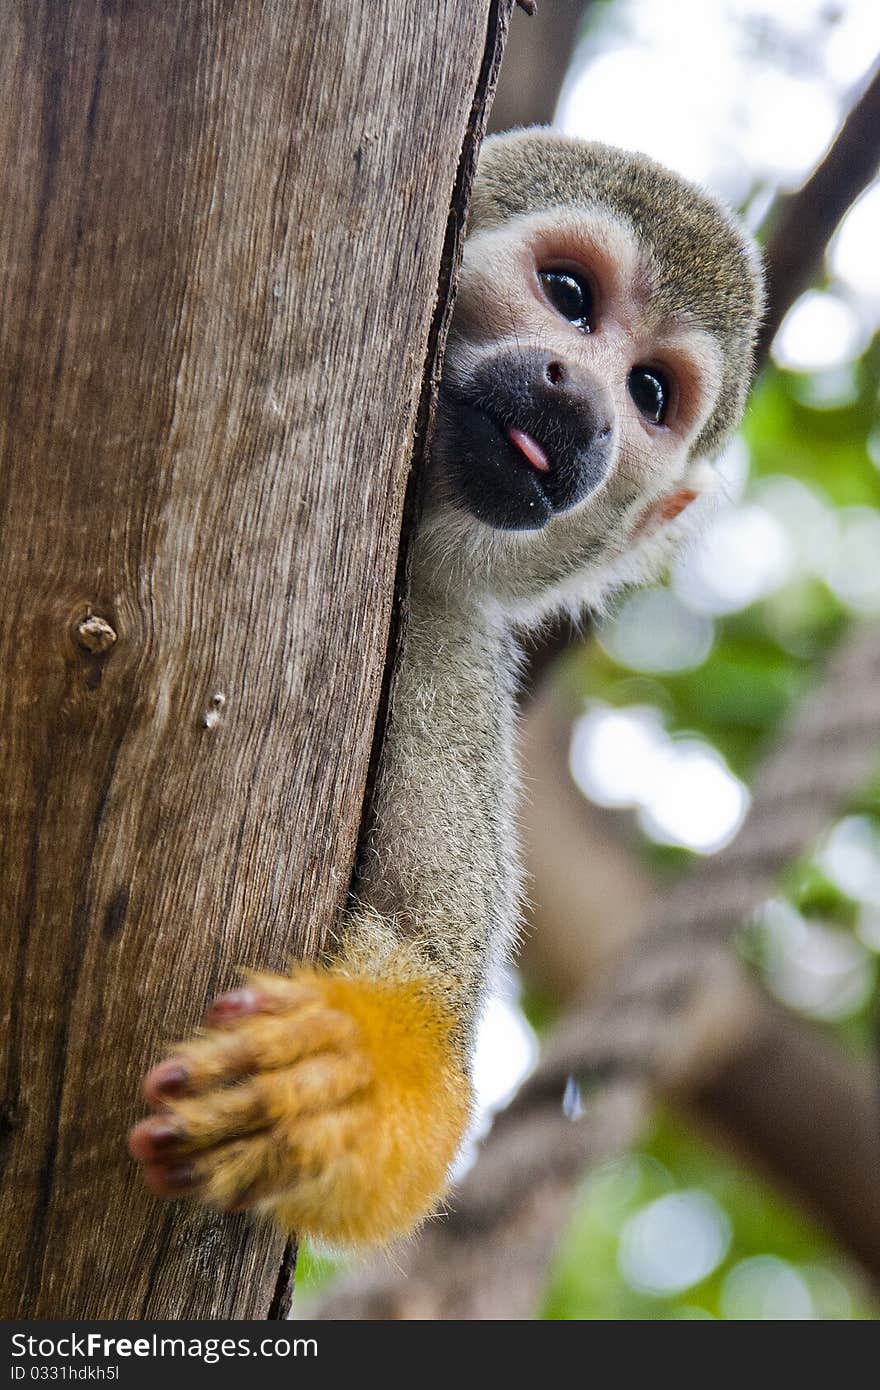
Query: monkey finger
x,y
156,1139
262,1169
260,1042
262,993
230,1177
170,1078
271,1100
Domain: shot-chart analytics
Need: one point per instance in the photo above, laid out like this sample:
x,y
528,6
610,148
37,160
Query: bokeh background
x,y
674,696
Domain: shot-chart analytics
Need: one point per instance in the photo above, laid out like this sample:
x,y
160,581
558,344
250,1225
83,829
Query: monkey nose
x,y
530,449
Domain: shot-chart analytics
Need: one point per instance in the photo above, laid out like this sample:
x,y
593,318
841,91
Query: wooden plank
x,y
222,226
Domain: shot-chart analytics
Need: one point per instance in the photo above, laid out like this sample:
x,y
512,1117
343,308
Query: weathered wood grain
x,y
221,231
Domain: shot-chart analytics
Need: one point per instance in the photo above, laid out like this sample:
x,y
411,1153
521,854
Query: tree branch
x,y
801,224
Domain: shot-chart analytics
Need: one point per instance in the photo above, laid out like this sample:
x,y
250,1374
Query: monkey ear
x,y
664,510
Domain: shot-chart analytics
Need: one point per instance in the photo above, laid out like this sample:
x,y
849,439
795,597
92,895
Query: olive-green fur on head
x,y
704,267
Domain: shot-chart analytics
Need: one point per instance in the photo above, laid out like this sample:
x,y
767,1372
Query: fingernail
x,y
233,1004
166,1133
169,1079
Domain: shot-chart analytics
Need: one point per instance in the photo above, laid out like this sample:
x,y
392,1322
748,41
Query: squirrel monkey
x,y
600,353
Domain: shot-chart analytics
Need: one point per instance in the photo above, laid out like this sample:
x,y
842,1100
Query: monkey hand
x,y
336,1103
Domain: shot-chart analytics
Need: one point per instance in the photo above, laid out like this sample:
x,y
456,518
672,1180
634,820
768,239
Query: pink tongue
x,y
530,448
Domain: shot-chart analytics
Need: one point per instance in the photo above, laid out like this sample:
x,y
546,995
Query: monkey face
x,y
573,398
560,374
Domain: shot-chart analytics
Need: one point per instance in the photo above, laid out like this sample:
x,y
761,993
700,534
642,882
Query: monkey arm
x,y
441,867
336,1099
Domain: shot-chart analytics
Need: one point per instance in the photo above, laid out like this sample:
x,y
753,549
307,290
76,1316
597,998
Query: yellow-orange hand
x,y
337,1103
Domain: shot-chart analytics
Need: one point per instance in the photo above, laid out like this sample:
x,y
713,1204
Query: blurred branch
x,y
675,1014
536,59
809,1115
801,224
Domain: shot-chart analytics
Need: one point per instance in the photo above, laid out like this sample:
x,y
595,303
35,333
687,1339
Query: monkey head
x,y
599,355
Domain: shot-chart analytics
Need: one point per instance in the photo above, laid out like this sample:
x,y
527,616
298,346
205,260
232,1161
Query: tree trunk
x,y
222,230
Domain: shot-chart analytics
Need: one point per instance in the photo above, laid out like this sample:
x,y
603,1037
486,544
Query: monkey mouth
x,y
516,444
499,472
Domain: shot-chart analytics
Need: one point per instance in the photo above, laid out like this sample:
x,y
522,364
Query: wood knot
x,y
211,716
95,634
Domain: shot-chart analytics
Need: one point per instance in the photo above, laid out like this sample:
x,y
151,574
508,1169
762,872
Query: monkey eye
x,y
650,392
570,295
